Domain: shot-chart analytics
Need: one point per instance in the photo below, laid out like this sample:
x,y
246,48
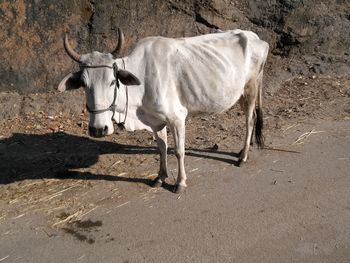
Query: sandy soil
x,y
59,187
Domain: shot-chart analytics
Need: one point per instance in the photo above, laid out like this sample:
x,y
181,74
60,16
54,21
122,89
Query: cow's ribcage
x,y
210,78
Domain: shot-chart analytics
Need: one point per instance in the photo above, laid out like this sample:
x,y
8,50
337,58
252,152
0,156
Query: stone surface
x,y
32,58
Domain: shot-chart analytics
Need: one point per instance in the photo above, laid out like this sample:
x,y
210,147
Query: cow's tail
x,y
259,137
259,114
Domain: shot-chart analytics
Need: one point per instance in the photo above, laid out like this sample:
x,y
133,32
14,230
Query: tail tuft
x,y
258,128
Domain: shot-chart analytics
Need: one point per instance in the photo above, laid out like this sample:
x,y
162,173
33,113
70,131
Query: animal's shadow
x,y
55,155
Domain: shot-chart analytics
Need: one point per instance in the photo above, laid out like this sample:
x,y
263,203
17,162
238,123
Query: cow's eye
x,y
113,83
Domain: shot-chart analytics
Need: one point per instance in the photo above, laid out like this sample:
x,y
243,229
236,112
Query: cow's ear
x,y
71,81
128,78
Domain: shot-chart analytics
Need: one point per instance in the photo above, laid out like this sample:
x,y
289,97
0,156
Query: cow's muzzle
x,y
98,132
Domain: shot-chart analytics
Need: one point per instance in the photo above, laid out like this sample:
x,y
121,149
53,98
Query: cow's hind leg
x,y
161,137
248,104
178,131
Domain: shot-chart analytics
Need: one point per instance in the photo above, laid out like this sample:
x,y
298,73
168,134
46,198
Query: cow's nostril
x,y
105,130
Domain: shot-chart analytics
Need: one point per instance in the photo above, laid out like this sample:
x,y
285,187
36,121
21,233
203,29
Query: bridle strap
x,y
97,66
122,124
113,106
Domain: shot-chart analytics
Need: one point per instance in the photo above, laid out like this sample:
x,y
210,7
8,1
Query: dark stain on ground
x,y
81,230
88,224
79,236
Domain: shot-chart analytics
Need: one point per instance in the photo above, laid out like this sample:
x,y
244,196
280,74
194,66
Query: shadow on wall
x,y
56,155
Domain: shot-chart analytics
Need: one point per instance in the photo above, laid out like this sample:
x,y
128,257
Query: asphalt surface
x,y
290,204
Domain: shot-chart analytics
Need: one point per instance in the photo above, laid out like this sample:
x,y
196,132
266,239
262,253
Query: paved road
x,y
281,207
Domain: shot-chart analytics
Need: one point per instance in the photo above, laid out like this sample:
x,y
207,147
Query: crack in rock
x,y
203,21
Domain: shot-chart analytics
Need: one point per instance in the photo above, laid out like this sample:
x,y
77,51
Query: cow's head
x,y
99,75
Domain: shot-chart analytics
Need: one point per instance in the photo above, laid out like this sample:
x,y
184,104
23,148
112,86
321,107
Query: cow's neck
x,y
127,96
121,93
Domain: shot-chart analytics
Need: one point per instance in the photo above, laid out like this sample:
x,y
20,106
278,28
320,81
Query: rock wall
x,y
304,35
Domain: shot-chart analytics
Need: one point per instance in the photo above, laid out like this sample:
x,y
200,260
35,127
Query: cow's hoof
x,y
240,163
157,183
179,189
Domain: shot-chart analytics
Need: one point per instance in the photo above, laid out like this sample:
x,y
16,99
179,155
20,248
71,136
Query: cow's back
x,y
204,73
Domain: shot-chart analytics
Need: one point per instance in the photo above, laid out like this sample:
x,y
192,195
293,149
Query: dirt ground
x,y
55,175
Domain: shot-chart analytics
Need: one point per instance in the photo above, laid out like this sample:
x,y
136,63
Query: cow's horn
x,y
74,55
120,45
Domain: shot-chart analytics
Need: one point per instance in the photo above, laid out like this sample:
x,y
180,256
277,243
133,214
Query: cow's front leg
x,y
178,131
161,137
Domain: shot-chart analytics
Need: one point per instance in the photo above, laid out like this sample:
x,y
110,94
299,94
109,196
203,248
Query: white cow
x,y
175,78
